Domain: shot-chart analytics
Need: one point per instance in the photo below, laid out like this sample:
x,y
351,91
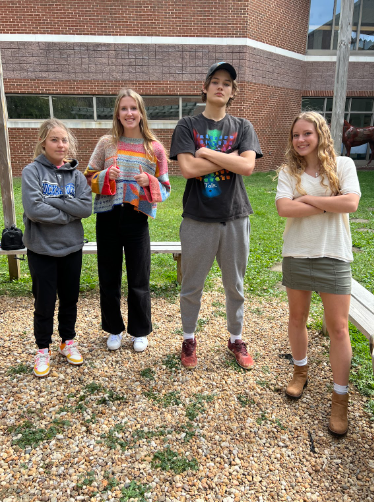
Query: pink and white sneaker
x,y
70,350
42,364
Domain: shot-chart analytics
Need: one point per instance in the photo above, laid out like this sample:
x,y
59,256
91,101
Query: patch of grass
x,y
140,434
148,373
370,408
86,480
169,399
169,460
27,434
93,387
263,383
197,406
361,374
113,438
111,482
20,369
172,362
189,430
135,491
245,400
111,397
200,324
232,364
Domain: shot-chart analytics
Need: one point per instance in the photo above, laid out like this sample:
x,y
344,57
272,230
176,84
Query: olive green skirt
x,y
323,275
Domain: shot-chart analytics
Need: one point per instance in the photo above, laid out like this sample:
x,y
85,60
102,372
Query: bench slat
x,y
363,296
361,318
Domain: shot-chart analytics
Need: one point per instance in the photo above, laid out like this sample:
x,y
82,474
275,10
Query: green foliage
x,y
20,369
113,438
245,400
169,460
86,480
169,399
172,362
197,405
135,491
148,373
361,367
29,435
370,408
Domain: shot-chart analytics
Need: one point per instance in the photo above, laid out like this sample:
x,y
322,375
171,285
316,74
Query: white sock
x,y
301,362
188,336
340,389
235,337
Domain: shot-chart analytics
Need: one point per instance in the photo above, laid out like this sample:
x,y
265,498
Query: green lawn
x,y
266,246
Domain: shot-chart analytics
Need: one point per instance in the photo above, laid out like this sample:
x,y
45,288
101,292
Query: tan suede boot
x,y
338,424
298,383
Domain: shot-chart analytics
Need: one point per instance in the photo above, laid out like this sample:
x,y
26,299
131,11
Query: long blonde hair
x,y
295,164
46,128
117,128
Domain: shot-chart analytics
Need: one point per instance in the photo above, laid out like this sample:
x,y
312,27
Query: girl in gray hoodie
x,y
55,198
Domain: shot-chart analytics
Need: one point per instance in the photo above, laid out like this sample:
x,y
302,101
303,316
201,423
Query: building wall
x,y
275,22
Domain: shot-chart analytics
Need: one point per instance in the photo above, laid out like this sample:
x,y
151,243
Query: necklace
x,y
317,174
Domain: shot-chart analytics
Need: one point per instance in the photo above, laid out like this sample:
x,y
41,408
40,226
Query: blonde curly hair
x,y
295,164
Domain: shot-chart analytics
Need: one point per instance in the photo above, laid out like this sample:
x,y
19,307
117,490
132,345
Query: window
x,y
359,112
28,107
324,21
97,108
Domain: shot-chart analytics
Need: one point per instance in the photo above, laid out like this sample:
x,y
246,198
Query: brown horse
x,y
356,136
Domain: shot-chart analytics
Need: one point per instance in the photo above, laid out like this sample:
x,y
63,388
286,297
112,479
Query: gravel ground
x,y
127,426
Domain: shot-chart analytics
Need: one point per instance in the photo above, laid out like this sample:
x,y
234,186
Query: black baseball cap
x,y
222,66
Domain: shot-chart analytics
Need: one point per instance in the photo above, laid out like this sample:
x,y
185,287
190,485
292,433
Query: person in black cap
x,y
214,150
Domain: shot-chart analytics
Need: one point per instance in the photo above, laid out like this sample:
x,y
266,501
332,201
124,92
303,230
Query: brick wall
x,y
276,22
270,109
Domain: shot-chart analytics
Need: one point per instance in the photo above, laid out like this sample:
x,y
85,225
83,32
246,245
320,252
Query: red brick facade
x,y
271,84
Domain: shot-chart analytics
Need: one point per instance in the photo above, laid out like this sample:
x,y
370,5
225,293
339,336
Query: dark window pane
x,y
162,108
312,104
28,107
320,24
73,107
329,102
362,105
355,22
192,106
366,41
105,107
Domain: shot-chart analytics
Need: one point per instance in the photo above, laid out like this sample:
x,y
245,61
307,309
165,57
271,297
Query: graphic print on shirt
x,y
50,189
215,140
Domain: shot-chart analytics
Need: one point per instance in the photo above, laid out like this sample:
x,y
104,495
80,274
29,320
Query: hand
x,y
142,179
114,172
199,154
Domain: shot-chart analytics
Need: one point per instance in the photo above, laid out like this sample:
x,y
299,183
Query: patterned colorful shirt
x,y
128,156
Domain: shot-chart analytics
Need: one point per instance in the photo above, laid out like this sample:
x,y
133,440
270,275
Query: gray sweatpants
x,y
201,243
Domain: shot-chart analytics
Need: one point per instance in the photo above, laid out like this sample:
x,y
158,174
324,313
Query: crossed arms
x,y
207,161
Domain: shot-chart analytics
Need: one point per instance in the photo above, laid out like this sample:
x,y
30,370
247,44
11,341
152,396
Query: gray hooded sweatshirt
x,y
54,202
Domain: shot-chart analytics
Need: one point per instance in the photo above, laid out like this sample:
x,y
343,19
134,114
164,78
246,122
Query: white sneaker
x,y
114,341
140,343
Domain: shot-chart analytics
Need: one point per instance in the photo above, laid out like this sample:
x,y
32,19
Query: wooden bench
x,y
173,248
361,314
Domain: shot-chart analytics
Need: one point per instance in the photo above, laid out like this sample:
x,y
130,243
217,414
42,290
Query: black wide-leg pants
x,y
52,276
124,230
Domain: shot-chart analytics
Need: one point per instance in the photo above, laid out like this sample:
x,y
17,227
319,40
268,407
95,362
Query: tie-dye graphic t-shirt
x,y
221,195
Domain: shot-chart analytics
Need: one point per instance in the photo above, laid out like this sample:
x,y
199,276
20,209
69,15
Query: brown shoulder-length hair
x,y
295,164
117,128
46,128
235,89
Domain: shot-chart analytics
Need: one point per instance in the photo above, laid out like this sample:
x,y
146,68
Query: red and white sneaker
x,y
70,350
42,364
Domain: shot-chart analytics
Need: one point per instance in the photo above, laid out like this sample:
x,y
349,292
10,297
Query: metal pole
x,y
341,72
6,179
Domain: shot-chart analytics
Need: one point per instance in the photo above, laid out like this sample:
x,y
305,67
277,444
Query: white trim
x,y
248,42
86,124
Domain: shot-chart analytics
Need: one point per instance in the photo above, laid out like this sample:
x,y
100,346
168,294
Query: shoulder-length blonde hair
x,y
117,128
295,164
46,128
